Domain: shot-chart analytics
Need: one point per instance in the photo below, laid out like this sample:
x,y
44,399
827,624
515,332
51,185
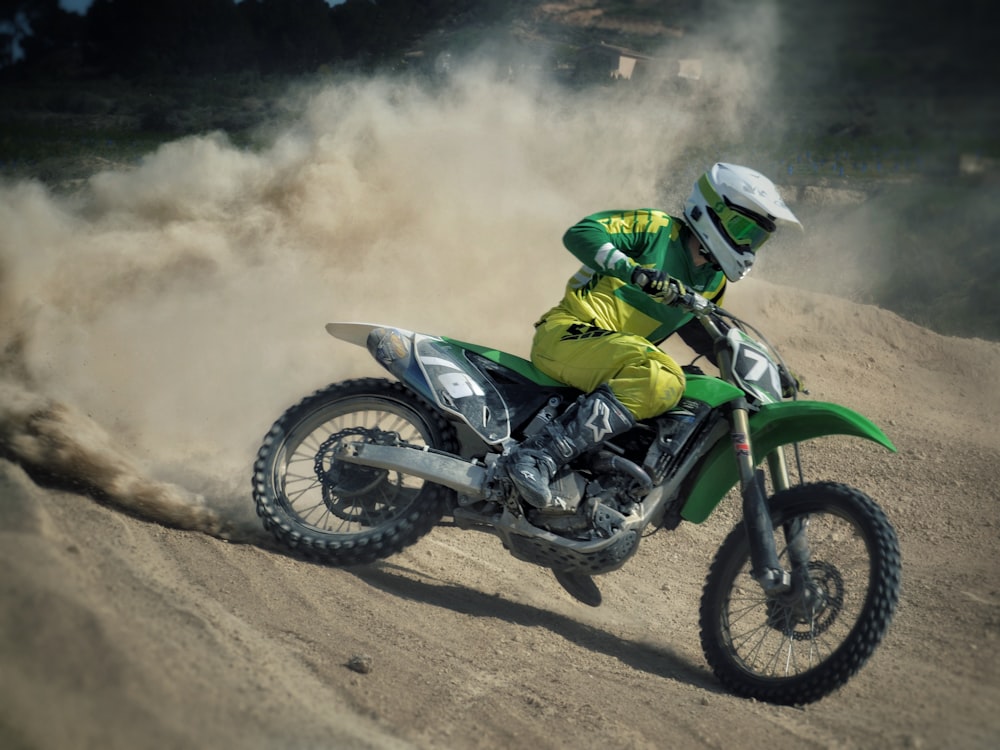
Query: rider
x,y
603,337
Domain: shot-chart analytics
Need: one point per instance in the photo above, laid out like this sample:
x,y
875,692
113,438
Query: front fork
x,y
766,568
795,530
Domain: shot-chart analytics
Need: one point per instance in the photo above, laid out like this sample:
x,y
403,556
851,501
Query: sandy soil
x,y
160,314
117,631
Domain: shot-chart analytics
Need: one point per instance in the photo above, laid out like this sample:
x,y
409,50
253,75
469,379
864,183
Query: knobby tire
x,y
337,513
756,647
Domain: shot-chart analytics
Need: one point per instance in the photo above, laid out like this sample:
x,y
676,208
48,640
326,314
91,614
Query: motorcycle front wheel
x,y
341,513
798,647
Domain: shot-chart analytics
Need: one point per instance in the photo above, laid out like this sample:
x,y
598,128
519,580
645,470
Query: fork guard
x,y
773,426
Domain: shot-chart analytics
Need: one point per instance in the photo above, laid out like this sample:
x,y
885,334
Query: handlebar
x,y
710,315
697,304
690,301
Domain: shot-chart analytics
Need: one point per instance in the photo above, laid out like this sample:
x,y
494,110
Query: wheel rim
x,y
338,498
787,636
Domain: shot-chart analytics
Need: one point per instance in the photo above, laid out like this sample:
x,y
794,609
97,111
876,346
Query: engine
x,y
603,491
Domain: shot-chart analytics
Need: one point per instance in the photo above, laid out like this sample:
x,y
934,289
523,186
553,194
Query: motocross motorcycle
x,y
798,596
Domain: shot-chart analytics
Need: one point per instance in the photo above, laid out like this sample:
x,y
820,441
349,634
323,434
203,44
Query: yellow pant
x,y
642,376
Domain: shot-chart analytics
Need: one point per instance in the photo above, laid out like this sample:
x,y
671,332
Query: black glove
x,y
649,280
791,383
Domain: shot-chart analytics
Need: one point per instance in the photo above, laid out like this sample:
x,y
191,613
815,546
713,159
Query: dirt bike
x,y
798,596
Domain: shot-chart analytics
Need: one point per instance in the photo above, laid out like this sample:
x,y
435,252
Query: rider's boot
x,y
585,425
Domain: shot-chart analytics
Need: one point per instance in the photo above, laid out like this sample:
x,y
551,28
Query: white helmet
x,y
732,210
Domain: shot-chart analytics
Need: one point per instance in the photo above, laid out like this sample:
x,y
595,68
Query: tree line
x,y
139,37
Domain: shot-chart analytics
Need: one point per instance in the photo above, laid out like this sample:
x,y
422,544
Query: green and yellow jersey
x,y
610,244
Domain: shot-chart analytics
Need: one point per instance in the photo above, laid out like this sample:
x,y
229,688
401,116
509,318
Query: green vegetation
x,y
60,131
134,39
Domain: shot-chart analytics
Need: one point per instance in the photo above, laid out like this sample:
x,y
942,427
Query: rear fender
x,y
773,426
437,369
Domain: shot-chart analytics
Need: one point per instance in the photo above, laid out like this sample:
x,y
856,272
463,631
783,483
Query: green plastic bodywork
x,y
712,391
512,361
773,426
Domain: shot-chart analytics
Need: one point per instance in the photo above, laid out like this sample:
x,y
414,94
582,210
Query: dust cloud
x,y
156,321
57,443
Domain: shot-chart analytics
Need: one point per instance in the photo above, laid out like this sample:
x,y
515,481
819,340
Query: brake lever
x,y
690,301
695,303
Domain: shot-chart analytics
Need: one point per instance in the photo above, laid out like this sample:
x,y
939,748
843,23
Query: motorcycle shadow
x,y
651,658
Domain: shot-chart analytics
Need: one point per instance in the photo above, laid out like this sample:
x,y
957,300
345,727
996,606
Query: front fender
x,y
771,427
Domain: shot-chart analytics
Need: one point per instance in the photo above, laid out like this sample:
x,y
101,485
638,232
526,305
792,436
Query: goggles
x,y
746,231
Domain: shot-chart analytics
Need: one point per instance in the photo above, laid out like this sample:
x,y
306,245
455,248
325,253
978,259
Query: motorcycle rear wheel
x,y
340,513
799,647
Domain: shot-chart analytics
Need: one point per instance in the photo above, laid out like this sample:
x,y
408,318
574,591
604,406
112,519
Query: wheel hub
x,y
813,604
350,491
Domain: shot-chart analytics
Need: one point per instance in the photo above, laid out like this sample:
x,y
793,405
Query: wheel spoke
x,y
343,499
791,635
796,647
339,511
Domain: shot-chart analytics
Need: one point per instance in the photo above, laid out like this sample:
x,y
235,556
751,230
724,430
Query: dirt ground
x,y
158,315
121,632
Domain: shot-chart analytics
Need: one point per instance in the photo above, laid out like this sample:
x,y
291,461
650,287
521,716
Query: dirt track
x,y
155,319
117,632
